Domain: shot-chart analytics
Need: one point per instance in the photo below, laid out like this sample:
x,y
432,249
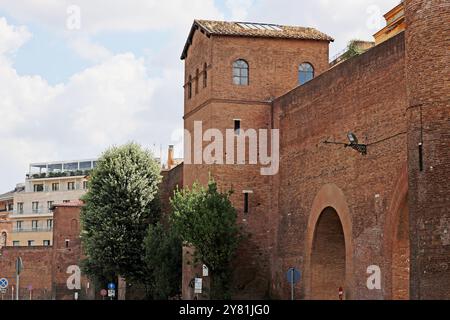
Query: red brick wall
x,y
273,70
37,272
365,95
428,69
45,268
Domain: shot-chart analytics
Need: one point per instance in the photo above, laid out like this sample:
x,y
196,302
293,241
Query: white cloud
x,y
113,15
12,37
239,9
112,102
88,50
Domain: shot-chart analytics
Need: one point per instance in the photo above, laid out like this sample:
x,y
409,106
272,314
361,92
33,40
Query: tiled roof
x,y
7,195
74,203
250,29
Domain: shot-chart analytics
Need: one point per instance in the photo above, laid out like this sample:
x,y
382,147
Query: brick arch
x,y
397,211
329,196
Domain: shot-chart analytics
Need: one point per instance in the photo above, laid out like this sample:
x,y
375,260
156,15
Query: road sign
x,y
205,270
111,293
3,283
103,292
19,265
111,286
293,275
3,290
198,285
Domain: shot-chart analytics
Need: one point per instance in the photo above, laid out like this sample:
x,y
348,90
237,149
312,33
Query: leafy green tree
x,y
206,219
120,204
162,257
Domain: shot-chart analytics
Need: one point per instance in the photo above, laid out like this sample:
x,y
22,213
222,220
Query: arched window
x,y
189,88
197,79
305,73
205,75
240,72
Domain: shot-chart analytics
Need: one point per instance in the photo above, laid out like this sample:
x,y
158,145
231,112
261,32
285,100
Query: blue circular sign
x,y
3,283
293,275
111,286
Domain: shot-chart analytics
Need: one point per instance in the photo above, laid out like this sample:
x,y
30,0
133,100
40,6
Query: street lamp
x,y
353,143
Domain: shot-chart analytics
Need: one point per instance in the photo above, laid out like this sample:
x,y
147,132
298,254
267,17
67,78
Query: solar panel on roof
x,y
259,26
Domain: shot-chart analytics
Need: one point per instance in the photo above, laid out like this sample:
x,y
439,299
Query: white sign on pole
x,y
111,293
198,285
205,270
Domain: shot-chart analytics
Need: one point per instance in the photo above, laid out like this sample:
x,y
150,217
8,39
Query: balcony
x,y
56,174
34,212
20,230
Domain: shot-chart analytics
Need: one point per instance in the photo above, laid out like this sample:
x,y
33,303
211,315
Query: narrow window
x,y
67,243
246,202
35,207
38,187
34,225
205,75
20,207
240,73
70,185
30,243
19,225
46,243
305,73
85,185
189,88
49,224
197,79
49,206
55,186
237,126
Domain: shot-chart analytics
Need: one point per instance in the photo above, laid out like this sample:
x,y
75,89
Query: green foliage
x,y
162,256
353,49
206,219
119,205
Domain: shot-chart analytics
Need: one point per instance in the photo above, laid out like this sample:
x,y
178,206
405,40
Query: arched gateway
x,y
328,254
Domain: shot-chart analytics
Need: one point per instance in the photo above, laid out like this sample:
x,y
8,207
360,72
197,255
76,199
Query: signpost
x,y
293,276
111,290
198,285
3,286
103,293
30,288
19,268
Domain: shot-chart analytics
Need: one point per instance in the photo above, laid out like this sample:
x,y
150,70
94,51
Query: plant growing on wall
x,y
206,219
119,206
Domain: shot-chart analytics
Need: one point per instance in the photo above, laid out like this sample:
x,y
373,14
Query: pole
x,y
12,292
292,283
17,286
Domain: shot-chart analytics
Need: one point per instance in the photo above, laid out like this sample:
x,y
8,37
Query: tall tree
x,y
119,206
162,257
206,219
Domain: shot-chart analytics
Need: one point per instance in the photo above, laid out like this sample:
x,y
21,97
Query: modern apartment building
x,y
46,184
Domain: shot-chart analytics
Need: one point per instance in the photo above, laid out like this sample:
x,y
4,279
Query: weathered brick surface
x,y
273,70
365,95
45,268
428,82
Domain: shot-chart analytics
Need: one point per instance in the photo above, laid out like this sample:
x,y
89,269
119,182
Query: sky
x,y
79,76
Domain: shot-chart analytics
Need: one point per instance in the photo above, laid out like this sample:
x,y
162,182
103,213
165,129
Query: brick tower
x,y
233,71
428,69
